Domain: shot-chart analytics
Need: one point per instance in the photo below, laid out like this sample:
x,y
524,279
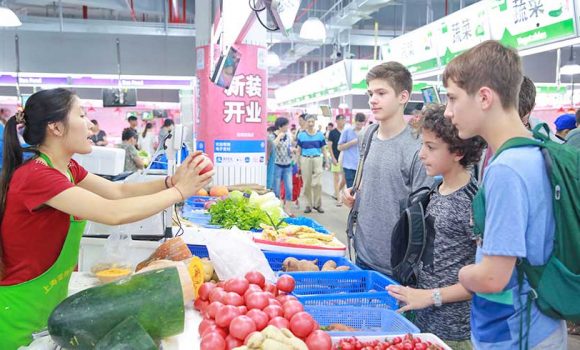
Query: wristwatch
x,y
436,296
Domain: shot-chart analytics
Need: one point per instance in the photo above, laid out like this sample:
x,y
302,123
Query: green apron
x,y
25,307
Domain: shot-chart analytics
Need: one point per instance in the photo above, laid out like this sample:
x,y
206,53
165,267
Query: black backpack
x,y
413,237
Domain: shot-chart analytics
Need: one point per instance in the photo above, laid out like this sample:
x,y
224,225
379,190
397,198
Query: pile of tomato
x,y
234,309
408,342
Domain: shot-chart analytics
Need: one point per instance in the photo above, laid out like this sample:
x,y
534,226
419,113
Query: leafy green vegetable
x,y
238,212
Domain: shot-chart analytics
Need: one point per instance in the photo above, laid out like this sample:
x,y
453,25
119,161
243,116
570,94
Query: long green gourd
x,y
153,298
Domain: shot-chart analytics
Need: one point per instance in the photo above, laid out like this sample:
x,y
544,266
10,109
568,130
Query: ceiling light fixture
x,y
570,68
313,29
8,18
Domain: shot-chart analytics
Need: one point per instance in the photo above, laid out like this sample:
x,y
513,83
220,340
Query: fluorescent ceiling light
x,y
313,29
273,60
8,18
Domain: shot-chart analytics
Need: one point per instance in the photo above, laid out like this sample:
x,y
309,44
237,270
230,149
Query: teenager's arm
x,y
416,299
491,275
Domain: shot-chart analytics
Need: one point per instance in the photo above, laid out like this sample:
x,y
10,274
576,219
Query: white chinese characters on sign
x,y
239,111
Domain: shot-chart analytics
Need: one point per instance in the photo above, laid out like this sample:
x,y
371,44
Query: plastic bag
x,y
117,251
234,253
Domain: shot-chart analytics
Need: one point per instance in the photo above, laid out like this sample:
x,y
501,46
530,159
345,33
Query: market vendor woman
x,y
46,200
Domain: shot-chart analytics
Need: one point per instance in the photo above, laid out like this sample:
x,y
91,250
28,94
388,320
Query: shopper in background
x,y
526,101
270,155
310,148
329,128
564,124
133,123
4,115
132,160
283,161
391,171
43,199
336,165
99,137
165,130
349,146
482,86
147,140
441,301
573,138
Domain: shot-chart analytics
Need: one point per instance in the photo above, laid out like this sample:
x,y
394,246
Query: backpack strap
x,y
353,214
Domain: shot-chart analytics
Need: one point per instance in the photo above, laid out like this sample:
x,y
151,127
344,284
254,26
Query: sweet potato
x,y
330,265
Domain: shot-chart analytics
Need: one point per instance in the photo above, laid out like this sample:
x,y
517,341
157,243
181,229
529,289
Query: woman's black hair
x,y
281,122
147,127
42,108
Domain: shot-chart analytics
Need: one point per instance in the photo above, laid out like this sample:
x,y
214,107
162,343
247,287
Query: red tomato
x,y
214,329
256,277
252,289
301,324
274,302
286,283
198,159
259,317
241,326
258,300
213,341
213,308
232,343
200,305
273,311
216,294
243,309
291,307
205,289
269,287
204,324
282,298
420,346
279,322
396,340
238,285
233,298
318,340
225,315
408,345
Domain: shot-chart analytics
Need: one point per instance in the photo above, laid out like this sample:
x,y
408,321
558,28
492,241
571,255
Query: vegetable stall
x,y
239,274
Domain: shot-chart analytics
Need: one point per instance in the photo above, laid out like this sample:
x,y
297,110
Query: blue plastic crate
x,y
277,258
309,283
198,250
366,320
198,201
304,221
369,299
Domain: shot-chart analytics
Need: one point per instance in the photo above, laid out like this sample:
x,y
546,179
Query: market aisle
x,y
334,219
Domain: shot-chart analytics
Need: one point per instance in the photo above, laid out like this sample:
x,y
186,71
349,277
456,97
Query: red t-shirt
x,y
32,233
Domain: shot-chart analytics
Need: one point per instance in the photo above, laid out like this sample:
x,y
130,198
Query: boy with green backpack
x,y
526,276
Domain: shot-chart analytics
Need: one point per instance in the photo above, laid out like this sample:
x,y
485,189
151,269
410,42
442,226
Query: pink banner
x,y
238,113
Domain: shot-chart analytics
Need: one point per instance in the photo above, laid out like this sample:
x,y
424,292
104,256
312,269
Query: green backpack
x,y
555,285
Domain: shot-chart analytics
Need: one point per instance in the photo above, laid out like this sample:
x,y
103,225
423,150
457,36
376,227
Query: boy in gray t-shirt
x,y
392,169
